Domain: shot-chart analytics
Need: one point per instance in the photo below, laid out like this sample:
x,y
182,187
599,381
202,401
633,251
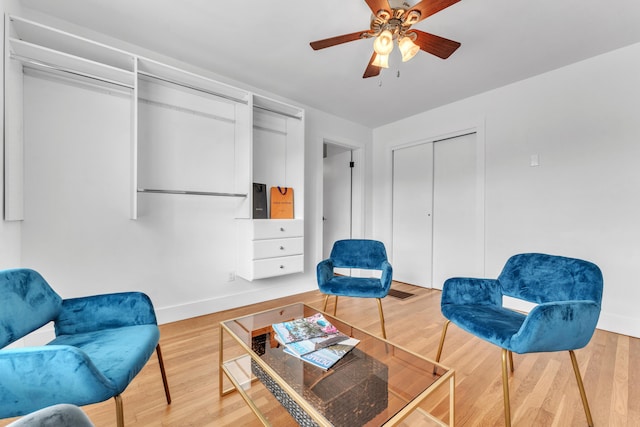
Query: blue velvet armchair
x,y
359,254
61,415
567,293
101,344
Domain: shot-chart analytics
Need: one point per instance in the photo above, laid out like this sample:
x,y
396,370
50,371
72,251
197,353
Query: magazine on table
x,y
326,357
310,345
315,326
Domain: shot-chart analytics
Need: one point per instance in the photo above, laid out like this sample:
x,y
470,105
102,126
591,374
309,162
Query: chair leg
x,y
511,360
326,300
119,411
384,332
583,395
335,306
164,374
444,333
118,398
505,388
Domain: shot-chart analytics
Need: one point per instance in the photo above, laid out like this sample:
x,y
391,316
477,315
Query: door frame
x,y
479,129
357,194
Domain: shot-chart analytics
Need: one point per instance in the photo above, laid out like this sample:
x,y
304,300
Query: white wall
x,y
180,251
582,201
326,127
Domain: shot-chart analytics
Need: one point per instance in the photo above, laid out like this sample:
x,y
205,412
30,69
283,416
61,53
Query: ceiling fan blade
x,y
332,41
376,5
371,70
429,7
435,45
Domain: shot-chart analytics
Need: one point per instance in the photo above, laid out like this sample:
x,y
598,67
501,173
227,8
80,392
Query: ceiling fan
x,y
392,20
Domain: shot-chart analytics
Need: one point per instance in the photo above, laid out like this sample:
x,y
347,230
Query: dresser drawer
x,y
271,248
277,266
277,228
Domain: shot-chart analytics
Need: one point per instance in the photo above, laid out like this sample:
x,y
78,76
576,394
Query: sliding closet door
x,y
412,214
437,212
457,210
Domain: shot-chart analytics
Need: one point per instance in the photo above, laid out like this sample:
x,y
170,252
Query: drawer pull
x,y
282,248
282,267
281,228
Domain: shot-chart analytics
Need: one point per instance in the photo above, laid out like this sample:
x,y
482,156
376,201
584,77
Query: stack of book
x,y
314,340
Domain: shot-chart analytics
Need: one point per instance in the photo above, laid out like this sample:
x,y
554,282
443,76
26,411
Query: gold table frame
x,y
262,321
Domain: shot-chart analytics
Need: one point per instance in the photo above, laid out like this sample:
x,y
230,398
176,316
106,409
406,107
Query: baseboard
x,y
619,324
227,302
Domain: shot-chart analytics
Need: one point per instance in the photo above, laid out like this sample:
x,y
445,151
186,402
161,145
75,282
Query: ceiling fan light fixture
x,y
412,17
408,48
383,44
391,22
381,61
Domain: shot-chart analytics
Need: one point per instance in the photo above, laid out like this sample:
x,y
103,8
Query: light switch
x,y
535,160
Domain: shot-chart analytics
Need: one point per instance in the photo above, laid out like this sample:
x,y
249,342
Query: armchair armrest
x,y
387,275
557,326
98,312
35,377
464,290
324,271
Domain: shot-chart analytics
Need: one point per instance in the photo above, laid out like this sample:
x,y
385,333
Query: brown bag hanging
x,y
281,202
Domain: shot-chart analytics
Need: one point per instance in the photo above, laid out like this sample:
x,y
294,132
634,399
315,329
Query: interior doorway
x,y
337,201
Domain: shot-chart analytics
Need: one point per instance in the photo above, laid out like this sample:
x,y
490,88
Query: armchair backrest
x,y
358,253
541,278
27,303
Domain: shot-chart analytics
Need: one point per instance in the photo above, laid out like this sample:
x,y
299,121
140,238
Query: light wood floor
x,y
543,388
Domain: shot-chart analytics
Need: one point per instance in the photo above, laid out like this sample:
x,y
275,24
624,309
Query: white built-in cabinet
x,y
274,247
263,139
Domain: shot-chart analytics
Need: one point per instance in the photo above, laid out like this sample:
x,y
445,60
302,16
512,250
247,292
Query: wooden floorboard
x,y
543,387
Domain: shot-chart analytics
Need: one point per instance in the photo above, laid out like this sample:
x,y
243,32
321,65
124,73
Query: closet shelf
x,y
40,46
151,69
29,53
190,193
63,42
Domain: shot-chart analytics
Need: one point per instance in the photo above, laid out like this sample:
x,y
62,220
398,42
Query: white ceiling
x,y
265,44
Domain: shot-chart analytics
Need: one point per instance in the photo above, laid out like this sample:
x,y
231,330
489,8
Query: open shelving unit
x,y
246,118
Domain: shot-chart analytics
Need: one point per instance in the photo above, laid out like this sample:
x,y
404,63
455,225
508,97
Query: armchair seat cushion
x,y
362,287
119,354
491,323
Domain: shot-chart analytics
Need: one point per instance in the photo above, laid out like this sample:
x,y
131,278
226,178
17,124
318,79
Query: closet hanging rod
x,y
190,193
27,60
188,86
293,116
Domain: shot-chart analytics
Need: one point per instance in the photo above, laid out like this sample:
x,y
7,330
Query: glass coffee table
x,y
377,383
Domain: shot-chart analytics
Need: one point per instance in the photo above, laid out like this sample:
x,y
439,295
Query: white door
x,y
448,176
412,214
456,210
336,199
